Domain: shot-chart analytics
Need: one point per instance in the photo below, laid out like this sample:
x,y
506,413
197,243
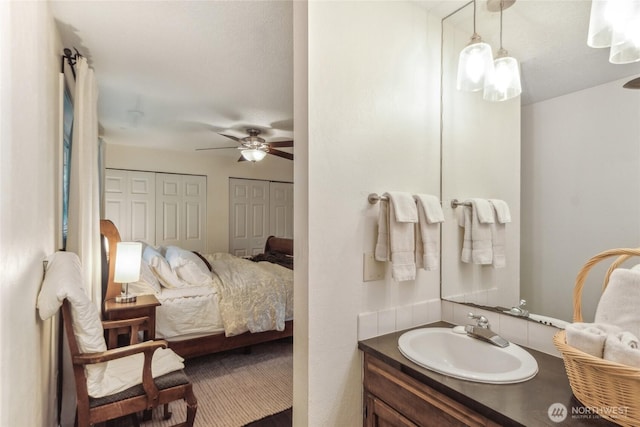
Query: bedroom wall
x,y
218,170
30,49
373,126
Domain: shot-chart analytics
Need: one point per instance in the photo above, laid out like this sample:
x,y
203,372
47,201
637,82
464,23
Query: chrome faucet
x,y
482,331
519,310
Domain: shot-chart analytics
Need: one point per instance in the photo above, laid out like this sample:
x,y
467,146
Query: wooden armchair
x,y
150,394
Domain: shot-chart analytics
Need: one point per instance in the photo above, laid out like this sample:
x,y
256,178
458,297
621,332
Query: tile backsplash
x,y
520,331
376,323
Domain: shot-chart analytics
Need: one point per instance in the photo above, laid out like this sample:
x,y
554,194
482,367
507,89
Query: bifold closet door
x,y
181,210
248,216
129,202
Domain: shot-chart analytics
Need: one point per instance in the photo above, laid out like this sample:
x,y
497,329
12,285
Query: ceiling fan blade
x,y
215,148
281,143
632,84
279,153
242,159
232,137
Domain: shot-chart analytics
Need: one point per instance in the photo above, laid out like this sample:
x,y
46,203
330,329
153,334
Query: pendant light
x,y
504,83
475,63
616,24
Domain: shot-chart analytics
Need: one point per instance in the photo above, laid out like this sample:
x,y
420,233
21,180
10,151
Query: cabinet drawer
x,y
415,401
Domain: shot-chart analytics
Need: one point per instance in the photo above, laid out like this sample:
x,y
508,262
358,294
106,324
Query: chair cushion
x,y
121,374
164,382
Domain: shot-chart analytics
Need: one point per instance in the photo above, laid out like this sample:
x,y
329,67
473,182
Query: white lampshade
x,y
625,41
600,23
128,256
505,83
616,24
253,154
475,64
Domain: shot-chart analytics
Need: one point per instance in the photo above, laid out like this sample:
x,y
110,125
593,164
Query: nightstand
x,y
144,306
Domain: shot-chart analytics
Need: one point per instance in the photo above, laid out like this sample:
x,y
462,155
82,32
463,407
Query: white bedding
x,y
195,310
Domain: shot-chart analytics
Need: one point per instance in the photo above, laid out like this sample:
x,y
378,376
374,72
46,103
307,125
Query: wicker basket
x,y
610,390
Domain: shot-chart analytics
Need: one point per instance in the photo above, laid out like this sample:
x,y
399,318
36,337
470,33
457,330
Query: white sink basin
x,y
460,356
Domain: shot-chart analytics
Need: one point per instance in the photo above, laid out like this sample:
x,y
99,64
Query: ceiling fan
x,y
254,148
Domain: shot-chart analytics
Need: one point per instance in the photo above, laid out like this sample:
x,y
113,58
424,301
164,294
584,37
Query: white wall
x,y
580,191
217,168
30,51
372,112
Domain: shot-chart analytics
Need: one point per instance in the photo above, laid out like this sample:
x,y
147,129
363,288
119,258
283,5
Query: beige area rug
x,y
234,389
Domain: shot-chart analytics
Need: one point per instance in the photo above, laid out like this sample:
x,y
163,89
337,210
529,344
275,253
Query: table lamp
x,y
128,256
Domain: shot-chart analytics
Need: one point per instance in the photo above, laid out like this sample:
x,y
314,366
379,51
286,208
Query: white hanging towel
x,y
382,251
427,232
476,220
396,236
498,232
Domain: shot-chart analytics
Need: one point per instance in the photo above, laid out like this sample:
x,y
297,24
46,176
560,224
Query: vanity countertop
x,y
521,404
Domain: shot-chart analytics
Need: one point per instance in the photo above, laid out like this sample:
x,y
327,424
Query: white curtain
x,y
84,192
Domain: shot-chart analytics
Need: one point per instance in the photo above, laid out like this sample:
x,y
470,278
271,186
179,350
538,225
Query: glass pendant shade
x,y
625,41
475,64
505,83
600,23
616,24
253,154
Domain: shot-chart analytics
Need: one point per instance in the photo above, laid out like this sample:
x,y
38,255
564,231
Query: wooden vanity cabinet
x,y
392,398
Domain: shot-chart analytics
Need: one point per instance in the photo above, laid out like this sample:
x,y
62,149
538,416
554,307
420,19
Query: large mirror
x,y
565,155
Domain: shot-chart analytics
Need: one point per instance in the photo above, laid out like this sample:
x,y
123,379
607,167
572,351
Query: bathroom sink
x,y
460,356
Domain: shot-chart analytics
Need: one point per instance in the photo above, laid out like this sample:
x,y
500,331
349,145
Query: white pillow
x,y
188,266
63,279
148,278
159,265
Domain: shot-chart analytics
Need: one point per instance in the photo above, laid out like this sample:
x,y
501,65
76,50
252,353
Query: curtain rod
x,y
71,58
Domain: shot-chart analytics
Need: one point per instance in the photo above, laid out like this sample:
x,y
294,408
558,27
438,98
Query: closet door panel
x,y
281,209
194,206
142,200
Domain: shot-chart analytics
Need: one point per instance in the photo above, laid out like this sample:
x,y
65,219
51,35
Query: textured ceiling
x,y
192,68
549,39
195,68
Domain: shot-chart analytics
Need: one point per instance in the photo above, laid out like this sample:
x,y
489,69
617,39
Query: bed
x,y
243,301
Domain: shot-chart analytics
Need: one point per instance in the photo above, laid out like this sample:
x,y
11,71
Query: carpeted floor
x,y
234,388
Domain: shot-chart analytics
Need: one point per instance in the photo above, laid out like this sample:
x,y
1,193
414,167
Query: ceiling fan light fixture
x,y
253,154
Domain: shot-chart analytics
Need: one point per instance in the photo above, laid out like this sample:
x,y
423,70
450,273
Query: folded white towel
x,y
403,205
498,232
477,246
483,210
382,243
622,348
399,235
503,214
427,231
589,337
620,302
464,220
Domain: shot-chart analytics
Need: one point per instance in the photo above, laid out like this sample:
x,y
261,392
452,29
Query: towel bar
x,y
455,203
374,198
